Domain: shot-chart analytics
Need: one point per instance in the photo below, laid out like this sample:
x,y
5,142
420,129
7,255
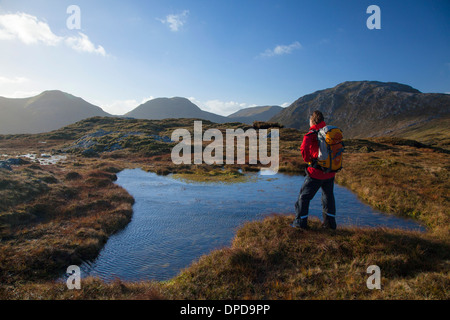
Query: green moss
x,y
213,176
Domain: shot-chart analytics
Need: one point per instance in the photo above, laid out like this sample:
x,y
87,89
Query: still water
x,y
175,222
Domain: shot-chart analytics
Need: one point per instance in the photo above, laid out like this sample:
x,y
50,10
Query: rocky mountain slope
x,y
369,108
249,115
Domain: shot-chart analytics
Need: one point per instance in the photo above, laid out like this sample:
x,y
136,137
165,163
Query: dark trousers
x,y
307,193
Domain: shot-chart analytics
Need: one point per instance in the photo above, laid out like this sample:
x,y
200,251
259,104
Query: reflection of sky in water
x,y
175,222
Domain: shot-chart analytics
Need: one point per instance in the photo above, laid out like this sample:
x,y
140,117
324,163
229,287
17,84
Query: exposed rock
x,y
159,138
113,147
98,133
249,115
4,165
133,133
16,161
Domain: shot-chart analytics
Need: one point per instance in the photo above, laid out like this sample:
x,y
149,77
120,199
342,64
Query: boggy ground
x,y
57,215
270,260
401,177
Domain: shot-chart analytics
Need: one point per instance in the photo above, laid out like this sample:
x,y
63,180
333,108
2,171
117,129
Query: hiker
x,y
316,178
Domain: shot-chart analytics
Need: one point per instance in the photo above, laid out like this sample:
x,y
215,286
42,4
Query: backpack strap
x,y
312,131
313,163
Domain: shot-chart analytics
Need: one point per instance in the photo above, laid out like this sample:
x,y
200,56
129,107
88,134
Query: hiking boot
x,y
302,225
329,221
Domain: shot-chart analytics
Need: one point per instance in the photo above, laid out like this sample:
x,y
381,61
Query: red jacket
x,y
310,151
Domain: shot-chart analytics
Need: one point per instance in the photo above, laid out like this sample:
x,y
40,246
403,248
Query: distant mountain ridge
x,y
359,108
177,107
47,111
368,108
249,115
55,109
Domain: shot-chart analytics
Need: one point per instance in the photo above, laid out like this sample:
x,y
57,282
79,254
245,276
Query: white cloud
x,y
24,94
281,50
30,30
144,100
26,28
83,44
120,107
223,108
175,21
14,80
286,104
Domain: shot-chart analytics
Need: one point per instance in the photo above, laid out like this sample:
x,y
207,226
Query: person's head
x,y
316,118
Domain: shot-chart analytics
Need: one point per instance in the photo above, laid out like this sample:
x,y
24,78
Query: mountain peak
x,y
389,86
175,107
47,111
54,93
367,108
166,105
171,101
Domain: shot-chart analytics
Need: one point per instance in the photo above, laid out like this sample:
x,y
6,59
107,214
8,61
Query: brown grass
x,y
54,216
69,220
270,260
404,180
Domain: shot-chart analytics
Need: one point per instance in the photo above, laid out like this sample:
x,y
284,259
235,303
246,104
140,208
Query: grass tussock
x,y
216,174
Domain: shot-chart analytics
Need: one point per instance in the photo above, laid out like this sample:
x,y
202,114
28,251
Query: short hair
x,y
317,117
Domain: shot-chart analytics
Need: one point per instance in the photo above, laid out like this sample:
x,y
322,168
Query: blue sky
x,y
223,55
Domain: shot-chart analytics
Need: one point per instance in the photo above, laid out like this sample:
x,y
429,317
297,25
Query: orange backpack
x,y
331,148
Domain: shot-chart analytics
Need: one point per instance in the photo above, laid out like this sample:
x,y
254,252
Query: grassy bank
x,y
55,216
270,260
401,177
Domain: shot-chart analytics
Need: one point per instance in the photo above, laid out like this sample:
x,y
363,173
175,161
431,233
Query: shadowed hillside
x,y
164,108
249,115
47,111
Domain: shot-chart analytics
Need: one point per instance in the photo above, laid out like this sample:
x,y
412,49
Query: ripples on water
x,y
175,222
